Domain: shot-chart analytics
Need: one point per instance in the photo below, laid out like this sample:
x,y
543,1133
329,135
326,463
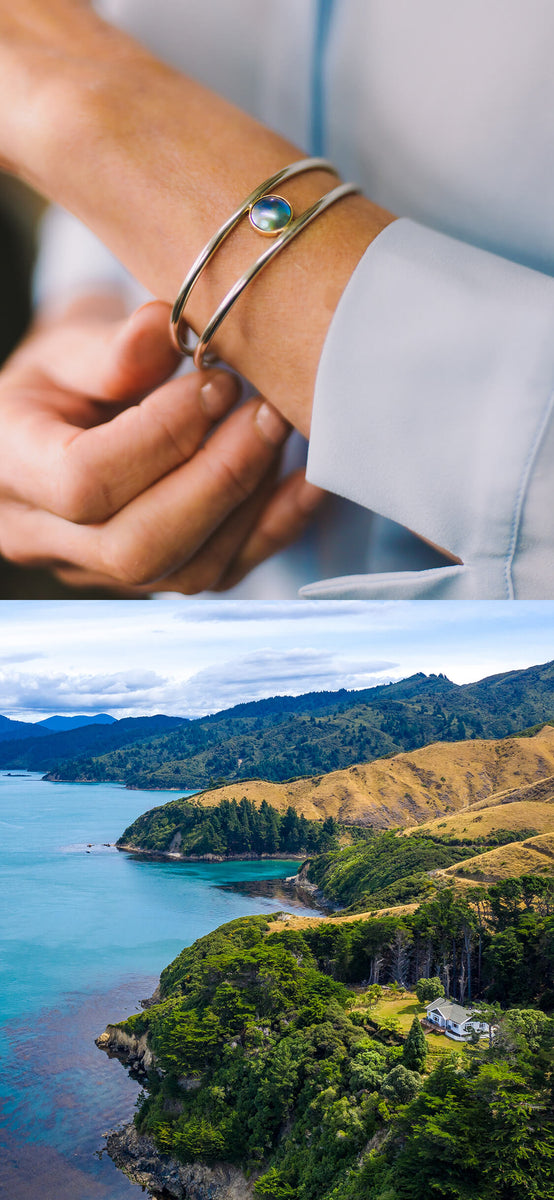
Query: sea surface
x,y
84,932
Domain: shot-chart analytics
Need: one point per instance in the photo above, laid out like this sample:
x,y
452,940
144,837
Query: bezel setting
x,y
281,204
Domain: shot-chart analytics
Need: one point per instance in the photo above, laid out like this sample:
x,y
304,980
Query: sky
x,y
193,656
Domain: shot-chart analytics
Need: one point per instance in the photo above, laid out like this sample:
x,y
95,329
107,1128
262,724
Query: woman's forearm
x,y
154,163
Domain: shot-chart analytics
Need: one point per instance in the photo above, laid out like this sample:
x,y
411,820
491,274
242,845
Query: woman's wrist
x,y
154,163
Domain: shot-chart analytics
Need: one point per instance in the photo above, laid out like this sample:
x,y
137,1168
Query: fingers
x,y
203,572
163,528
87,475
160,530
105,468
108,360
286,516
89,581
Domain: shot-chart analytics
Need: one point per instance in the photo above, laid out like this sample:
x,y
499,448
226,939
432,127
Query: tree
x,y
429,989
400,1085
489,1014
273,1186
470,1134
373,994
400,957
415,1048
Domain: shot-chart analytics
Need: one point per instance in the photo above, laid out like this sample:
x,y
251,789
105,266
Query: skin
x,y
89,118
120,452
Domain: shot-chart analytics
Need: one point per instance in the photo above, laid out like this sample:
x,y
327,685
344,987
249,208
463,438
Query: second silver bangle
x,y
178,327
201,360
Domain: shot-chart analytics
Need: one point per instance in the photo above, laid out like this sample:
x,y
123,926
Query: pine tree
x,y
415,1048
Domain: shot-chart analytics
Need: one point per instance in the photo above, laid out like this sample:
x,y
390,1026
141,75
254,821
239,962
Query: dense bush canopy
x,y
229,828
266,1058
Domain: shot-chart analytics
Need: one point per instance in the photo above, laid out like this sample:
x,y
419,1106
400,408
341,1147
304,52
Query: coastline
x,y
137,1156
174,856
299,882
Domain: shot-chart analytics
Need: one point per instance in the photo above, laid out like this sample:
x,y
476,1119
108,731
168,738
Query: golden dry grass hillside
x,y
535,856
417,787
529,807
287,920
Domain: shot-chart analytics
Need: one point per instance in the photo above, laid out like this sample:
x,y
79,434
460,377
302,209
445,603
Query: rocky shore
x,y
302,884
166,1179
134,1052
174,855
138,1156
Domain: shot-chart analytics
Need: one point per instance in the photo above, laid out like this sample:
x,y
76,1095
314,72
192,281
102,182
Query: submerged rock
x,y
138,1157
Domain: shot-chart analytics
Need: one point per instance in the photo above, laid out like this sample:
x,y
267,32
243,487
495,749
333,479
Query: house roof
x,y
450,1011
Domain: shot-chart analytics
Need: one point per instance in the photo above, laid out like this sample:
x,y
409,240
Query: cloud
x,y
269,673
252,676
21,656
68,692
240,610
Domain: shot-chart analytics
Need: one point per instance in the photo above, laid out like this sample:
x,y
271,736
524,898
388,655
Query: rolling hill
x,y
450,813
43,753
408,789
287,737
534,856
502,810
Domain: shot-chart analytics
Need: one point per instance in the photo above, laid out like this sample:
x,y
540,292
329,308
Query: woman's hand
x,y
114,475
154,163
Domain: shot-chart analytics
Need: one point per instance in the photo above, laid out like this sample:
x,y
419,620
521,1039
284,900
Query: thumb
x,y
112,360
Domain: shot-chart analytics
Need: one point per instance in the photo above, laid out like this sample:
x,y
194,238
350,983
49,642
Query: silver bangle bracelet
x,y
201,360
178,333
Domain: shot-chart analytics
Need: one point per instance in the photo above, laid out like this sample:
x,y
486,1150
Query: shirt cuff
x,y
435,391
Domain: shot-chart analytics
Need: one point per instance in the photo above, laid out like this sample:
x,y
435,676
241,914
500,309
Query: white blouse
x,y
433,404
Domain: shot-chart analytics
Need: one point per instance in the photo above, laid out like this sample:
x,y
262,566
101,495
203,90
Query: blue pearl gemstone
x,y
270,215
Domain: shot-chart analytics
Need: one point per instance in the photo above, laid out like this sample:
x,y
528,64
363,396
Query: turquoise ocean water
x,y
84,934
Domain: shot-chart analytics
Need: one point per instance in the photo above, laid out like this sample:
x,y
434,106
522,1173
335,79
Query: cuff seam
x,y
521,496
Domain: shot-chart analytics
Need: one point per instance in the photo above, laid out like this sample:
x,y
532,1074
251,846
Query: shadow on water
x,y
291,895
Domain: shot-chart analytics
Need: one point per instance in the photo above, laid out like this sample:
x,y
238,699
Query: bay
x,y
84,932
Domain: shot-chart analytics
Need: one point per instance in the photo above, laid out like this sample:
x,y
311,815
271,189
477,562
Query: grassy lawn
x,y
404,1008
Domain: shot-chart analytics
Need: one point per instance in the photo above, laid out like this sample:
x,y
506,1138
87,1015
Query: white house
x,y
456,1021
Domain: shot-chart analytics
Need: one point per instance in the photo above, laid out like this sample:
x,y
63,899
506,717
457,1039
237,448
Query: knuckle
x,y
128,563
15,553
82,497
74,498
14,550
229,479
179,442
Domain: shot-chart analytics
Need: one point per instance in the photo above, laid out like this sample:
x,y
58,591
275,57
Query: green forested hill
x,y
17,730
284,737
44,751
228,830
268,1055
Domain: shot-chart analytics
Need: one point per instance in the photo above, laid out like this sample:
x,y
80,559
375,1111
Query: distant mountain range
x,y
17,730
56,724
287,736
45,750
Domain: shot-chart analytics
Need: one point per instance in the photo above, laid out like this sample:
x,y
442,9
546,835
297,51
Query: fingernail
x,y
273,428
217,394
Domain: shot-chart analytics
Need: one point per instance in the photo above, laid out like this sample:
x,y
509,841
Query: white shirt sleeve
x,y
433,407
72,261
